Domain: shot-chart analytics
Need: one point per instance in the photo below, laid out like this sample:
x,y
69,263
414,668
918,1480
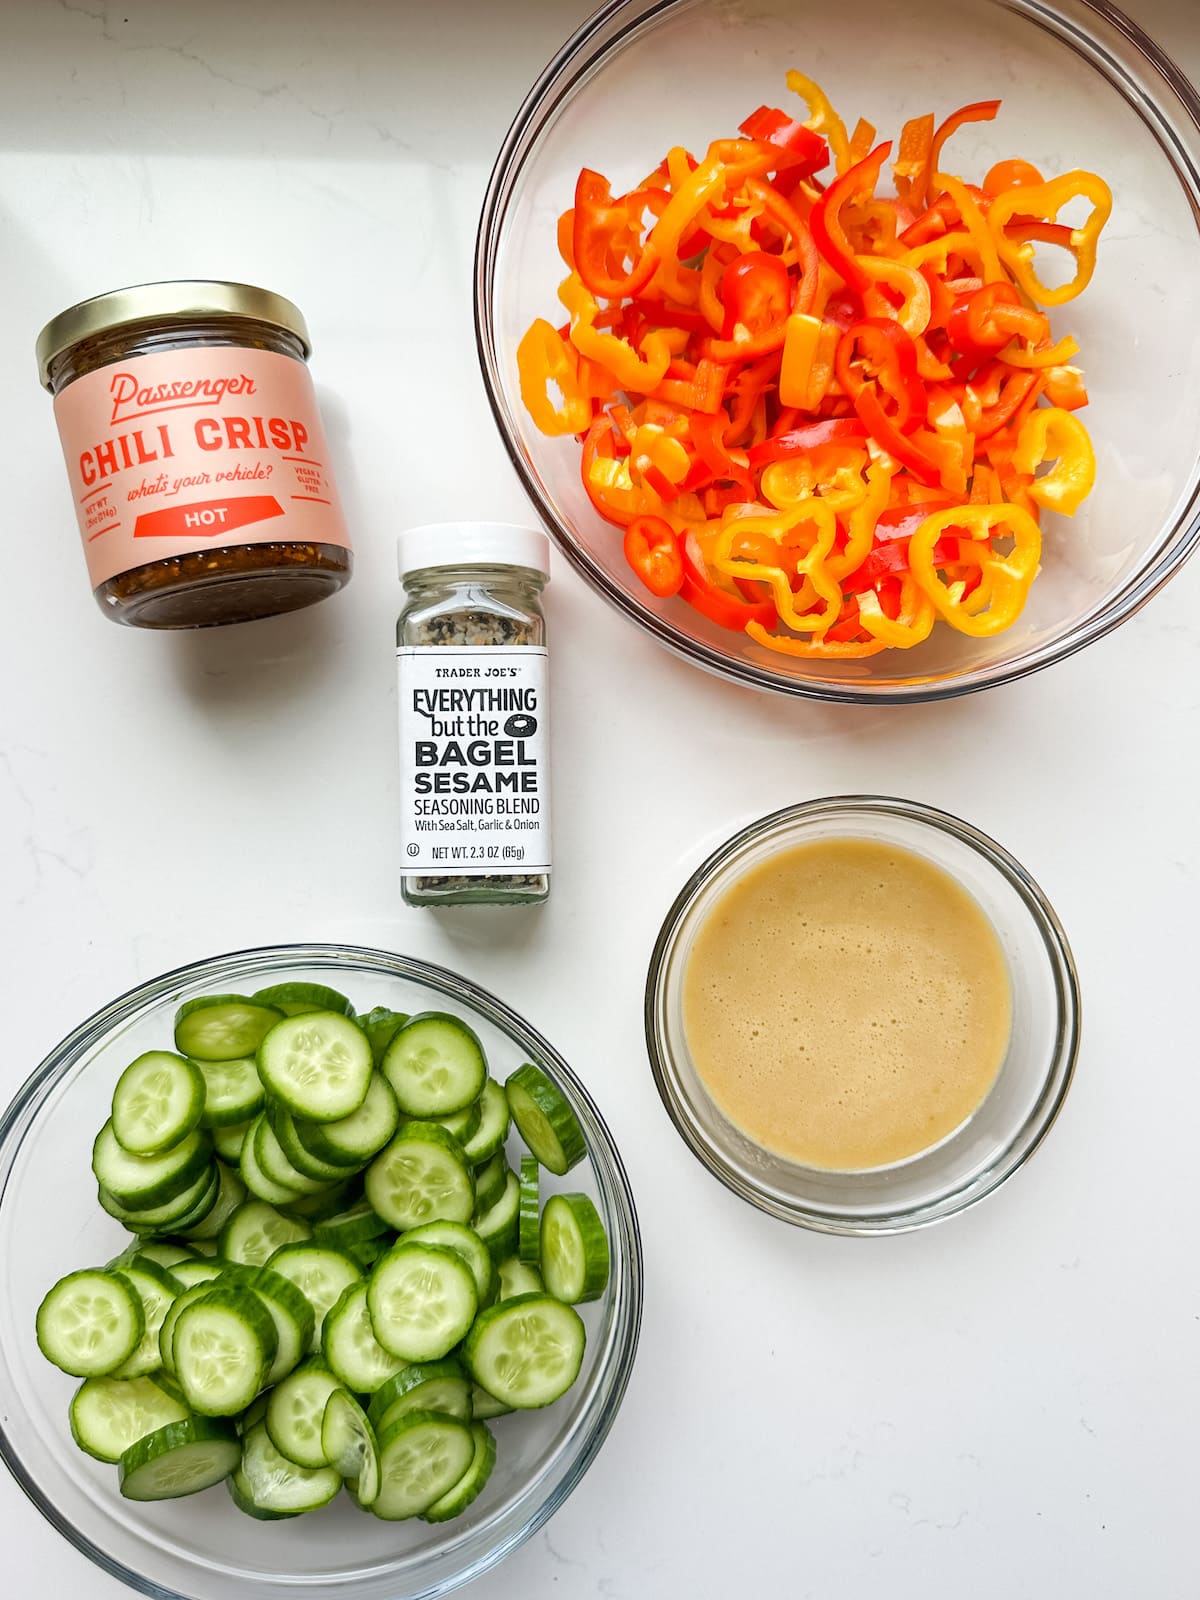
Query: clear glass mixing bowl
x,y
1081,87
202,1548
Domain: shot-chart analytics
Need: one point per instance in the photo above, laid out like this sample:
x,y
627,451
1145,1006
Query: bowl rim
x,y
574,61
1023,1141
19,1115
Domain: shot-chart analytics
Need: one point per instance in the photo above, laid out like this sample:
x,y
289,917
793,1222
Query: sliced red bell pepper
x,y
718,606
888,437
799,440
606,232
802,151
886,348
828,233
977,111
708,435
652,550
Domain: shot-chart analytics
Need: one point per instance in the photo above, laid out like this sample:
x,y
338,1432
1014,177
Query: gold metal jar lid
x,y
178,300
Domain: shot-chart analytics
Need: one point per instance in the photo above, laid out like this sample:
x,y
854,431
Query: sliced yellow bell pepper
x,y
786,529
633,373
1046,200
822,118
545,358
1005,579
1051,434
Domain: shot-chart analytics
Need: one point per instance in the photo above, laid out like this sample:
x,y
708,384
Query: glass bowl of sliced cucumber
x,y
316,1235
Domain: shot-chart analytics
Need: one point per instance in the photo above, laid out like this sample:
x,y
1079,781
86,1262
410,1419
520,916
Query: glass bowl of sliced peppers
x,y
838,358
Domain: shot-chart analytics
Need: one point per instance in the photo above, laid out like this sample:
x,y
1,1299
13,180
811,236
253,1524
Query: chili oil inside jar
x,y
196,455
474,704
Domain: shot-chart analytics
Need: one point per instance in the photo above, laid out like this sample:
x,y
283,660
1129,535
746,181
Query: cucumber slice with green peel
x,y
291,1313
141,1264
184,1211
90,1323
320,1273
380,1026
422,1301
231,1193
273,1163
260,1183
485,1406
296,1412
276,1487
223,1347
471,1485
158,1100
498,1226
348,1441
492,1131
110,1414
544,1119
166,1333
518,1277
369,1251
462,1124
526,1351
157,1292
233,1091
489,1181
421,1176
318,1064
354,1226
207,1248
222,1027
303,1162
352,1141
254,1413
228,1141
573,1249
143,1182
466,1243
294,999
529,1201
349,1346
421,1458
425,1386
435,1064
189,1273
181,1458
256,1230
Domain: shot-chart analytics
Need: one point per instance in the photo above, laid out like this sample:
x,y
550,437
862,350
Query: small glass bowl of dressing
x,y
862,1014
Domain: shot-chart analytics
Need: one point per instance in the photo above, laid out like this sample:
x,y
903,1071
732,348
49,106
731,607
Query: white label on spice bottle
x,y
195,449
475,773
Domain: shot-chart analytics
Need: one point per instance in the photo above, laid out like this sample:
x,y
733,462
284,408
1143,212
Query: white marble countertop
x,y
1007,1405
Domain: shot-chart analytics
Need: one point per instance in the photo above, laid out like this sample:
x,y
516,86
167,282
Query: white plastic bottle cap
x,y
472,544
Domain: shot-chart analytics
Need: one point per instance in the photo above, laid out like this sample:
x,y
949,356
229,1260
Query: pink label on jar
x,y
196,449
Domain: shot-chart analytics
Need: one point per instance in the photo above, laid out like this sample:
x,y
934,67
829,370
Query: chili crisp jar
x,y
195,452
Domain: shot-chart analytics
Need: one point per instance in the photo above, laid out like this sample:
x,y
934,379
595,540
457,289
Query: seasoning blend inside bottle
x,y
474,702
195,452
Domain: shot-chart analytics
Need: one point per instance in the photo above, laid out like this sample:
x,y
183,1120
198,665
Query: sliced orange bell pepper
x,y
545,358
1045,201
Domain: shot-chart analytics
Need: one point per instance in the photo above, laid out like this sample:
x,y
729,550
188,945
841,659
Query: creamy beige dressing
x,y
847,1004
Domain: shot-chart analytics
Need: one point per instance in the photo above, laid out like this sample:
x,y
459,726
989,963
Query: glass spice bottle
x,y
472,661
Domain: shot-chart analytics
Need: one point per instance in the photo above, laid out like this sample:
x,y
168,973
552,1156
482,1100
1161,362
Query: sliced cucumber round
x,y
421,1458
352,1141
90,1323
422,1301
422,1176
291,1313
233,1091
380,1026
110,1414
157,1291
294,999
260,1183
498,1226
272,1161
319,1064
529,1203
462,1124
471,1485
350,1348
256,1230
492,1131
223,1346
544,1119
181,1458
527,1351
435,1064
296,1411
518,1277
142,1182
424,1386
158,1100
189,1273
222,1027
354,1226
301,1159
484,1406
321,1275
350,1447
231,1193
573,1249
466,1243
274,1486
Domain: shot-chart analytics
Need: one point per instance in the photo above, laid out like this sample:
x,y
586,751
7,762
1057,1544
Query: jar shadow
x,y
272,662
